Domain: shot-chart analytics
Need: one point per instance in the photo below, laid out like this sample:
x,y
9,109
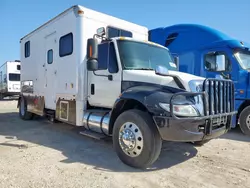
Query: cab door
x,y
104,85
50,71
217,63
212,68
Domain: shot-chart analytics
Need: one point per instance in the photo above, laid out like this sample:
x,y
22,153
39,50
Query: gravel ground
x,y
40,154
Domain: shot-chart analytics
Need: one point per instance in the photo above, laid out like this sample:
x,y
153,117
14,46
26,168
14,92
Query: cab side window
x,y
112,67
211,62
107,57
103,56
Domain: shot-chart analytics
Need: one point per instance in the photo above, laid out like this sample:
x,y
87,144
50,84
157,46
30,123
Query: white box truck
x,y
93,70
10,79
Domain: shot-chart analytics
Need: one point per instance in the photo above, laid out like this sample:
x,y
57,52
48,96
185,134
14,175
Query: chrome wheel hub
x,y
130,139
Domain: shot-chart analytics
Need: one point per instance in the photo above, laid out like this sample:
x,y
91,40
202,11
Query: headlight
x,y
196,85
181,109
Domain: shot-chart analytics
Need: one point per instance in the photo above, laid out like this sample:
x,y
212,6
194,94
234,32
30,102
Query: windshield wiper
x,y
141,69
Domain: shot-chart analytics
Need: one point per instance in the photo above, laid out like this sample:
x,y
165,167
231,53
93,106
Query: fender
x,y
145,97
148,94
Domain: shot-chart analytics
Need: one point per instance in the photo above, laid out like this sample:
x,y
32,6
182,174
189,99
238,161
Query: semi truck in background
x,y
207,52
10,79
99,72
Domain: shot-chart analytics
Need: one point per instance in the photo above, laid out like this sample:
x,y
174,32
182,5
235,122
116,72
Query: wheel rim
x,y
248,121
22,107
130,139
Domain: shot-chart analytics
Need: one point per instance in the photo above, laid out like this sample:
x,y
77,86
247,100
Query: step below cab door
x,y
104,85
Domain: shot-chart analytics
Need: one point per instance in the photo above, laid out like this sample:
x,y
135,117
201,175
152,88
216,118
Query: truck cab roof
x,y
193,36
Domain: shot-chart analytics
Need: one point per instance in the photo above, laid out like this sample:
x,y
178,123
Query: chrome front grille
x,y
220,96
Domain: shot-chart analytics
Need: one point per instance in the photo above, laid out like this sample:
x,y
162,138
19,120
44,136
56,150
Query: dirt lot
x,y
40,154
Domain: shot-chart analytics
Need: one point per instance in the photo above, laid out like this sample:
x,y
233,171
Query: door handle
x,y
92,89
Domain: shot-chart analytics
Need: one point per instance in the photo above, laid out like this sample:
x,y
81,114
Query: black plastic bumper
x,y
193,129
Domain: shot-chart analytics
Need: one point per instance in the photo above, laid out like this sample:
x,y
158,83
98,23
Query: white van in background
x,y
10,79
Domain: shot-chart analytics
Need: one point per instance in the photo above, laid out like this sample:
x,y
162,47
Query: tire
x,y
200,143
245,121
1,96
23,113
147,141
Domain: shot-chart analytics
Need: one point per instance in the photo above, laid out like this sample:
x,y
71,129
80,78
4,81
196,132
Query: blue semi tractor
x,y
207,52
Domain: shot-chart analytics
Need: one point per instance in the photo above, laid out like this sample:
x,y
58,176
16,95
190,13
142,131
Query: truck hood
x,y
149,76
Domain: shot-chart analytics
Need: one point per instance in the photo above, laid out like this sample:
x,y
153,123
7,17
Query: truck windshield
x,y
244,59
144,56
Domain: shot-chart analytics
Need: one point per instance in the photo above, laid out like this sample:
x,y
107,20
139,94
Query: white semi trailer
x,y
93,70
10,79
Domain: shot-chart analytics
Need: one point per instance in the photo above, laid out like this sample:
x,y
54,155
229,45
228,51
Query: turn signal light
x,y
80,12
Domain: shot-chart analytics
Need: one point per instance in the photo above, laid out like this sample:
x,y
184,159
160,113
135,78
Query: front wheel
x,y
245,121
136,139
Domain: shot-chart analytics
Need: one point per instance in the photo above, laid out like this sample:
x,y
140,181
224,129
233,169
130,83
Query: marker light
x,y
80,12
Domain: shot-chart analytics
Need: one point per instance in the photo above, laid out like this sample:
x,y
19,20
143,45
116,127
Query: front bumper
x,y
193,129
218,104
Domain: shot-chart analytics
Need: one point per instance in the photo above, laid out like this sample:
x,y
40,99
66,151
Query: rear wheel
x,y
23,113
1,96
136,139
245,121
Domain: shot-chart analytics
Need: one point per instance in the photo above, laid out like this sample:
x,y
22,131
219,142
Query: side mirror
x,y
176,61
92,54
220,62
100,31
92,65
92,49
